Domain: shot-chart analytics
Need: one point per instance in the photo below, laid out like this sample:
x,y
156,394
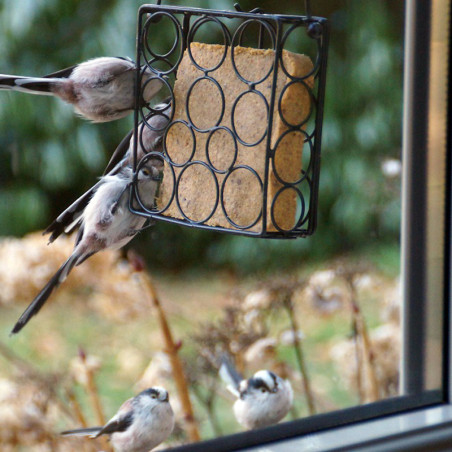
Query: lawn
x,y
103,311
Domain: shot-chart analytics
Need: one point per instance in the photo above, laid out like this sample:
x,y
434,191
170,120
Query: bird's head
x,y
262,383
153,396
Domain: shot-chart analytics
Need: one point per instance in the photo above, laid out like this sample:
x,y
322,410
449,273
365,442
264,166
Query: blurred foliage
x,y
48,156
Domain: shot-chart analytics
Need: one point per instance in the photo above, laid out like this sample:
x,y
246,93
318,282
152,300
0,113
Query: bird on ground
x,y
262,400
141,423
100,89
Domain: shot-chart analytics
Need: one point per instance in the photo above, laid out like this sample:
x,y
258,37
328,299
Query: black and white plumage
x,y
141,423
106,222
262,400
100,89
150,140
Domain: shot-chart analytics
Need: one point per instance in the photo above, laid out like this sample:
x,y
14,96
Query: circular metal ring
x,y
141,163
234,106
232,222
304,219
311,103
237,35
229,131
163,80
187,102
192,153
204,164
306,171
226,40
316,65
159,111
177,39
272,209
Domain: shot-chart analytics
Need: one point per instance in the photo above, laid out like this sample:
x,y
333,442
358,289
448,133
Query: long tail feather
x,y
35,306
228,373
91,431
9,81
34,85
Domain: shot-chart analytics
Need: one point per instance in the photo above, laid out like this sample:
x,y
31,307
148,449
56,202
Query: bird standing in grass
x,y
262,400
100,89
142,423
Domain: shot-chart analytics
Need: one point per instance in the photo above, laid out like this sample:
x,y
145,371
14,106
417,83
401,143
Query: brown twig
x,y
76,408
91,389
359,366
93,393
373,392
300,356
171,348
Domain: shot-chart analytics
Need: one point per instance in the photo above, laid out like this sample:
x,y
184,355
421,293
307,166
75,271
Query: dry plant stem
x,y
94,397
76,408
172,350
361,330
300,357
358,355
91,389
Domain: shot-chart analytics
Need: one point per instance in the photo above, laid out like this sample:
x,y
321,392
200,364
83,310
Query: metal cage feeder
x,y
241,140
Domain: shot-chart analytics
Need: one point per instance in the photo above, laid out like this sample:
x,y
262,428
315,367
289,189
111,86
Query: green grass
x,y
53,338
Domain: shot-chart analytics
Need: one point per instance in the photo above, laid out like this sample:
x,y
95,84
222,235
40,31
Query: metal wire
x,y
275,30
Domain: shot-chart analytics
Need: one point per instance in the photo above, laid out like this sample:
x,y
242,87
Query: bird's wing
x,y
82,431
69,215
230,375
119,153
120,421
63,73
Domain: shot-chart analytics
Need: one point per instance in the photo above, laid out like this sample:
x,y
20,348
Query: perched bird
x,y
100,89
262,400
149,140
141,424
106,222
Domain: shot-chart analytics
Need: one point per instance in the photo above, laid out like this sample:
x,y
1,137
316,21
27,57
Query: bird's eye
x,y
145,172
154,396
263,390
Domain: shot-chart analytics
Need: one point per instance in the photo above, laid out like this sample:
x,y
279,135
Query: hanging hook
x,y
239,9
314,29
307,8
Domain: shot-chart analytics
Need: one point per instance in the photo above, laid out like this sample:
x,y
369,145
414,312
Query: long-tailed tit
x,y
262,400
106,222
141,423
150,139
100,89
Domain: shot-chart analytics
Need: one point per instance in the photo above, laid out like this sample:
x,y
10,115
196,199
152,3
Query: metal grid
x,y
271,31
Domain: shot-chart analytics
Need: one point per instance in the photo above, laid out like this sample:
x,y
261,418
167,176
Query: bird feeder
x,y
241,147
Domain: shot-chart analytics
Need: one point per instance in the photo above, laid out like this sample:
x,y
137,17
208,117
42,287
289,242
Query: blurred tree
x,y
48,157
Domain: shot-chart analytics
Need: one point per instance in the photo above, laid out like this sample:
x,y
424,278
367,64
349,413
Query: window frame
x,y
419,419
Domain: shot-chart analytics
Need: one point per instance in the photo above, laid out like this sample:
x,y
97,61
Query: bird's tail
x,y
35,306
9,81
30,85
91,431
229,374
